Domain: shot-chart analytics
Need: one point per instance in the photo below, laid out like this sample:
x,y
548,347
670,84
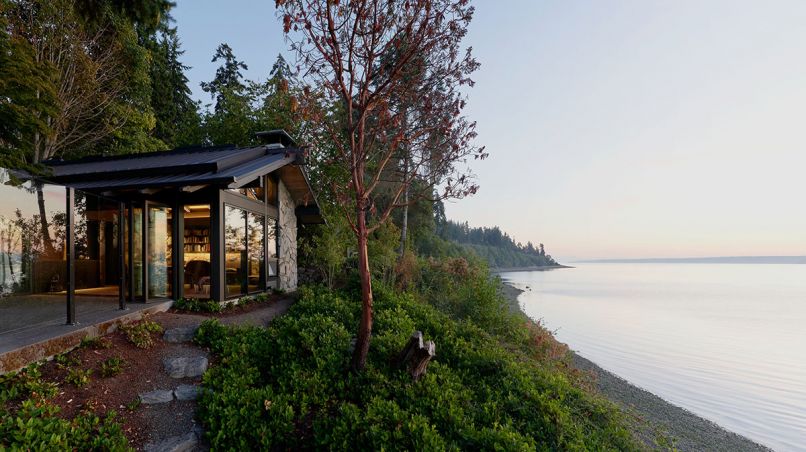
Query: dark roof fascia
x,y
203,167
260,170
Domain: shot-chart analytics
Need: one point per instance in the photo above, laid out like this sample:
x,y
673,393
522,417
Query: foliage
x,y
78,377
288,386
141,333
393,95
29,421
96,343
494,246
96,86
197,305
112,366
176,114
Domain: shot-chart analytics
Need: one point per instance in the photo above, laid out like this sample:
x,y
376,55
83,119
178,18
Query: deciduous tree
x,y
355,56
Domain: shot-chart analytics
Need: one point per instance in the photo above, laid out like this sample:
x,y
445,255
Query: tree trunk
x,y
365,327
404,226
43,221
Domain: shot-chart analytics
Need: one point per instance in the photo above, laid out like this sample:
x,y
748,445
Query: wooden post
x,y
416,355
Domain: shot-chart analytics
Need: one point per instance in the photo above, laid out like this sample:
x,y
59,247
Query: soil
x,y
142,372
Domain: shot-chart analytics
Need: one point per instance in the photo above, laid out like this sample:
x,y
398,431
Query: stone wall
x,y
287,260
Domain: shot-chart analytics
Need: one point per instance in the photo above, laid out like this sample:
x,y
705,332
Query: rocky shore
x,y
656,422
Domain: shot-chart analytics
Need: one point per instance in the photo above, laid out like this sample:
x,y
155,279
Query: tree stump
x,y
416,355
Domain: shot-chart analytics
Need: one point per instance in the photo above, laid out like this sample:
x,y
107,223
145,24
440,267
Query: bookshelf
x,y
197,240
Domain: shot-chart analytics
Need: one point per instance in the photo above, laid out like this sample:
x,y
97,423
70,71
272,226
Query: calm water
x,y
725,341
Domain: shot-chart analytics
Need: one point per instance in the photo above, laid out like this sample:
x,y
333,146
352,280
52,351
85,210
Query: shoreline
x,y
648,416
541,268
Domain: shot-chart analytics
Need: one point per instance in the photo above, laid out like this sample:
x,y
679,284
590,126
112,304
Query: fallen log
x,y
416,355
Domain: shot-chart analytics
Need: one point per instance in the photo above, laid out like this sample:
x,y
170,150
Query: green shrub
x,y
289,386
78,377
197,305
96,343
141,333
29,420
112,366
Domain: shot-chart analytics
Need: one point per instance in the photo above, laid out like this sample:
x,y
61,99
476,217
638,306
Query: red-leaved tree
x,y
385,76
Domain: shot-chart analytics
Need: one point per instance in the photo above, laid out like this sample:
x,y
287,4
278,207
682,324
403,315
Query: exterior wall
x,y
287,259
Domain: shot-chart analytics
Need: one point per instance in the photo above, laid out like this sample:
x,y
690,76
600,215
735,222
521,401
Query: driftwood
x,y
416,355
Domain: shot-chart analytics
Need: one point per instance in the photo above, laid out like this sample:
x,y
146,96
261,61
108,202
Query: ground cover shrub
x,y
28,421
197,305
78,377
112,366
96,343
289,385
141,333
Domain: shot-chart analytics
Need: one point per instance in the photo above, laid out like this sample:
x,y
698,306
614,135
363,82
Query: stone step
x,y
182,443
180,334
187,392
182,366
157,396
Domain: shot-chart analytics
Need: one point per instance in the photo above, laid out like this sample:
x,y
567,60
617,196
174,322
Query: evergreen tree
x,y
228,77
232,120
177,115
278,100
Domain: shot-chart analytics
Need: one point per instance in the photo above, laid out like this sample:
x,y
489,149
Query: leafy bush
x,y
197,305
78,377
141,333
112,366
28,421
288,386
96,343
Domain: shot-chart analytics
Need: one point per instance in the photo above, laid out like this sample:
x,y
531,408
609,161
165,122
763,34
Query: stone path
x,y
186,364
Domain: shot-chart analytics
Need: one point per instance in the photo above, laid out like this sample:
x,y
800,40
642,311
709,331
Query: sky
x,y
617,129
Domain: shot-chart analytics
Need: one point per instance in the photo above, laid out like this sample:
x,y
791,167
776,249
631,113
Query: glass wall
x,y
33,266
235,250
159,252
271,241
135,248
256,250
196,253
245,243
97,258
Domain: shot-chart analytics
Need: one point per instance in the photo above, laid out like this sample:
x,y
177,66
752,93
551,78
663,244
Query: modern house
x,y
207,222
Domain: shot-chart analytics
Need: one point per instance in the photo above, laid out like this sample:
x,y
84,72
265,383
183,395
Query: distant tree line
x,y
496,247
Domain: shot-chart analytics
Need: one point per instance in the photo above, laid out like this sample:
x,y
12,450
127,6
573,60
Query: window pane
x,y
198,270
159,252
33,266
235,250
271,240
256,254
97,263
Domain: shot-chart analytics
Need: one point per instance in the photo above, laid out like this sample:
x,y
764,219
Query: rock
x,y
186,392
196,366
157,396
180,367
175,367
181,443
181,334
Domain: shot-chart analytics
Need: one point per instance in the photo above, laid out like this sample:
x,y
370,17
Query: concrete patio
x,y
33,328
